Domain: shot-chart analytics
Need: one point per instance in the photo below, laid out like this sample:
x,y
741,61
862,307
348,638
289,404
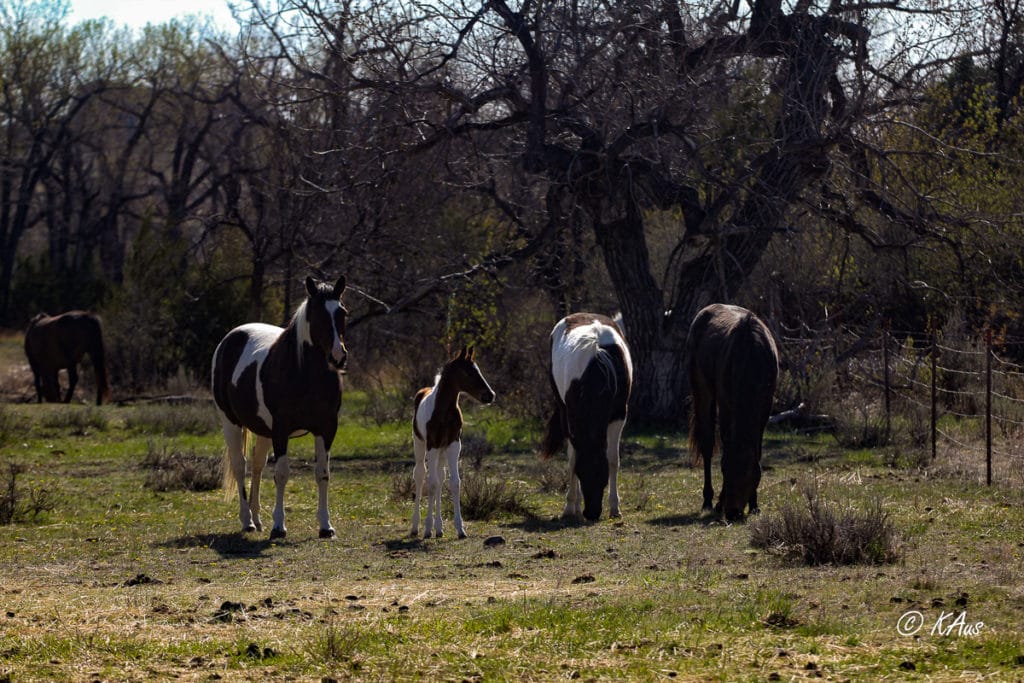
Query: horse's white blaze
x,y
260,337
338,344
572,352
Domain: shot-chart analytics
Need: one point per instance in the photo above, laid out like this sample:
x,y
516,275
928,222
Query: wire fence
x,y
961,400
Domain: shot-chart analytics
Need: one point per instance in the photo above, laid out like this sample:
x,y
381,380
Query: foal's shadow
x,y
229,545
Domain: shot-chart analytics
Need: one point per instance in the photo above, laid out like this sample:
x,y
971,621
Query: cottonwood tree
x,y
740,120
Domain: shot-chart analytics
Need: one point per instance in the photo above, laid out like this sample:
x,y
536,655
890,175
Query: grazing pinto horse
x,y
436,429
60,341
734,366
278,383
592,374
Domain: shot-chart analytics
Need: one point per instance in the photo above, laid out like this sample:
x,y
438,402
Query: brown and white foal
x,y
437,430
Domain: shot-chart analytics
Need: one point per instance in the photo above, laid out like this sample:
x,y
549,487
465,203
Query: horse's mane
x,y
300,324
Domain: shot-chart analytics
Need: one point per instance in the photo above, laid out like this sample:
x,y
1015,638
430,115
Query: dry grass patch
x,y
818,533
181,471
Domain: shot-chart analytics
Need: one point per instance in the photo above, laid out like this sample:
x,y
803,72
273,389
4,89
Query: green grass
x,y
120,581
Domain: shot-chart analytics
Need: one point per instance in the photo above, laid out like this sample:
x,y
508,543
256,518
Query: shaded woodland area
x,y
478,169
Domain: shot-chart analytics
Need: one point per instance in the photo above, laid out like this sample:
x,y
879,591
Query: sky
x,y
137,13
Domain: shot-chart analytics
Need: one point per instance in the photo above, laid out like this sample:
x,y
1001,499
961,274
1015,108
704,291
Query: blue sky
x,y
137,13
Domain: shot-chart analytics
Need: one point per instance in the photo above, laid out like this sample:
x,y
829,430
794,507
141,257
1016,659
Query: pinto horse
x,y
437,430
592,375
734,367
278,383
58,342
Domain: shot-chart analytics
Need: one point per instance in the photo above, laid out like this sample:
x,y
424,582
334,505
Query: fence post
x,y
935,400
885,378
988,407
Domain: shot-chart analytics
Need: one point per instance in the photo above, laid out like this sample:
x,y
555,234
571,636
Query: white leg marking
x,y
323,478
419,475
573,494
259,460
614,436
455,484
433,523
234,438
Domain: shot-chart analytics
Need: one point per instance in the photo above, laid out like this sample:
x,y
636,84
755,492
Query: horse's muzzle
x,y
338,363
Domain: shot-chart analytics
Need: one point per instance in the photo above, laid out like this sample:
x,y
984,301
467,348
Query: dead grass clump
x,y
170,419
402,487
552,475
818,534
180,471
483,497
18,504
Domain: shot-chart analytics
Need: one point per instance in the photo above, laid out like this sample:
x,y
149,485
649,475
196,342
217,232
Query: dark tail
x,y
554,435
98,355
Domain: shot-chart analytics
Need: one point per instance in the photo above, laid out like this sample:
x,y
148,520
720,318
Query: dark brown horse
x,y
53,343
734,366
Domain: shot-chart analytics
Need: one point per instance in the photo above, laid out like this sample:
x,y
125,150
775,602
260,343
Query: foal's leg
x,y
419,474
455,484
259,459
281,472
574,494
235,462
614,436
433,523
72,382
323,478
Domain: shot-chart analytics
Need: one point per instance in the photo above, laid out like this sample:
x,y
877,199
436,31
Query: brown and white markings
x,y
437,431
279,383
591,375
734,367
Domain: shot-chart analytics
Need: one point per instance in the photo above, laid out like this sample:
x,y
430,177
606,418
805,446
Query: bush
x,y
818,534
179,471
483,497
17,505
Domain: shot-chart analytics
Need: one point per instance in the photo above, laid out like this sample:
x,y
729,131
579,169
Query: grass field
x,y
116,580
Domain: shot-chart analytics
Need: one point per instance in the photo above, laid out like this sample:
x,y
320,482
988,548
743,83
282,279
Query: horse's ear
x,y
339,287
310,285
462,353
472,350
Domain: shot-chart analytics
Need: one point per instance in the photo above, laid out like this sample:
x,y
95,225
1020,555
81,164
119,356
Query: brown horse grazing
x,y
734,366
58,342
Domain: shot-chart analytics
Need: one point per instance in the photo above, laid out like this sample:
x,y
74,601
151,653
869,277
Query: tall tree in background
x,y
736,119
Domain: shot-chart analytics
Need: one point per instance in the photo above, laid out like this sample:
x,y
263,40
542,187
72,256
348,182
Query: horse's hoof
x,y
462,534
614,514
249,529
327,533
276,533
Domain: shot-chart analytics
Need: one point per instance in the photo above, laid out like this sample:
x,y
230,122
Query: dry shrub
x,y
180,471
18,504
817,533
402,487
552,475
483,497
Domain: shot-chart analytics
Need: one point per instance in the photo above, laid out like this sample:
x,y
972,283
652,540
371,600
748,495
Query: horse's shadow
x,y
689,519
533,524
228,545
